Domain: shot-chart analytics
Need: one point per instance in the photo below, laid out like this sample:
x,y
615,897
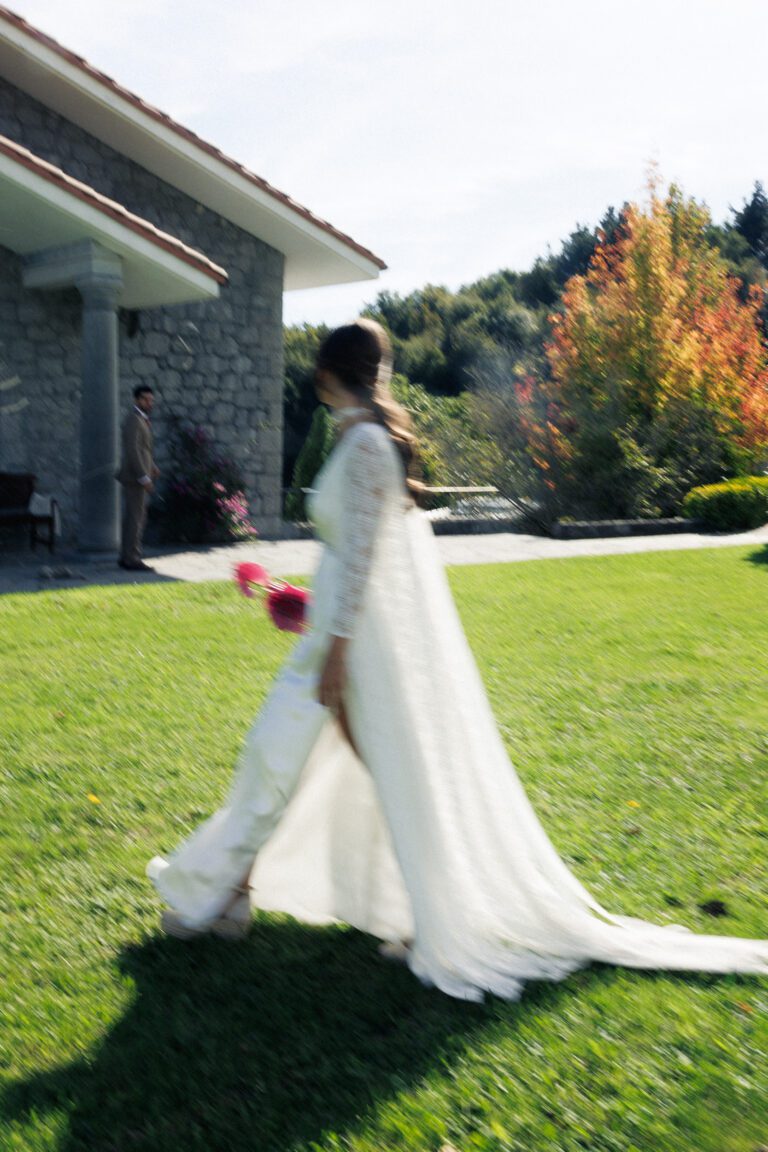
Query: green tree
x,y
751,222
300,345
309,461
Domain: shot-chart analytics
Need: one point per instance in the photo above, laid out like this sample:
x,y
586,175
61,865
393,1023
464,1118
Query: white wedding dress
x,y
429,837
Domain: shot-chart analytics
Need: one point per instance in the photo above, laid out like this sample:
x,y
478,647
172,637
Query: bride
x,y
374,787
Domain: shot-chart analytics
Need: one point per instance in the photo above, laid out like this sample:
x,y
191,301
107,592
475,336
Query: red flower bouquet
x,y
287,605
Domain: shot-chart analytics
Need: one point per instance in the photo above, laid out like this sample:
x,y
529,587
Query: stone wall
x,y
39,384
217,363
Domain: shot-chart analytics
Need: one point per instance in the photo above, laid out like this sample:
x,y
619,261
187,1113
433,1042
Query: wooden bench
x,y
16,492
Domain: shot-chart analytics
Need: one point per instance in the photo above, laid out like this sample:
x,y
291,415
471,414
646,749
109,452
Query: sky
x,y
451,138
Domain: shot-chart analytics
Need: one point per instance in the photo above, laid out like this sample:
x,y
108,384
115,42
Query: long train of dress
x,y
429,835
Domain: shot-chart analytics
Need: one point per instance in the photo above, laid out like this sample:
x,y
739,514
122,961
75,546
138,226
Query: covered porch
x,y
68,235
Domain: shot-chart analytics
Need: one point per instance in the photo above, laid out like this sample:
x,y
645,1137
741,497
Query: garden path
x,y
27,572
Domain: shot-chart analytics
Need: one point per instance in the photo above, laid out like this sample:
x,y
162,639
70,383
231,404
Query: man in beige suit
x,y
137,474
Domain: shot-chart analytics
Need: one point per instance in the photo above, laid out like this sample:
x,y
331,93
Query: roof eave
x,y
39,212
316,253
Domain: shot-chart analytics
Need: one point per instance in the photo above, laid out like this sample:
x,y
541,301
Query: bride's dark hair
x,y
360,356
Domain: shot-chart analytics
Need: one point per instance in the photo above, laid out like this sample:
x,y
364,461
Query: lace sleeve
x,y
368,474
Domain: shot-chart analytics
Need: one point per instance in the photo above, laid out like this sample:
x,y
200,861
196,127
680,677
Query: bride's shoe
x,y
395,950
233,924
236,921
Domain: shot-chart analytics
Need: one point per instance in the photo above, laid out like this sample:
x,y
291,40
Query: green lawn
x,y
633,695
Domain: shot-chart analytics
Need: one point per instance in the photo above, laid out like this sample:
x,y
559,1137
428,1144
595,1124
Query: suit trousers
x,y
135,500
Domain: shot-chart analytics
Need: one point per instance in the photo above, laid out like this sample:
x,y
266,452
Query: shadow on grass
x,y
22,580
760,556
225,1049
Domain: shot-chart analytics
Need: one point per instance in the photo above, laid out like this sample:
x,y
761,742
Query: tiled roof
x,y
111,208
185,133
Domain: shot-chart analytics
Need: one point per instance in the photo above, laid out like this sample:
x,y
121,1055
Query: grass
x,y
633,695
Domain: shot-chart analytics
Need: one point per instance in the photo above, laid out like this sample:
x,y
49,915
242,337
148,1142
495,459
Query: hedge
x,y
733,506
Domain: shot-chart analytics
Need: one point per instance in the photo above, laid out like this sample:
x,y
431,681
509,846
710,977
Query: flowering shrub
x,y
203,500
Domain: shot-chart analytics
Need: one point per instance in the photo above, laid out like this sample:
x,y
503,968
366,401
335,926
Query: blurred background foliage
x,y
480,370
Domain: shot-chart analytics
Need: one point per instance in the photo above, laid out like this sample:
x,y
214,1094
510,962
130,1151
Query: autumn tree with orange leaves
x,y
658,374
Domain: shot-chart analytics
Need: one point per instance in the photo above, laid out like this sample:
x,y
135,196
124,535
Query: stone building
x,y
132,251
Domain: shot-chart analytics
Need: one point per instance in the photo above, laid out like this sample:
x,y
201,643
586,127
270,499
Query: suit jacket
x,y
136,459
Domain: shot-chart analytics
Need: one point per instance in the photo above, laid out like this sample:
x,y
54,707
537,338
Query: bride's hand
x,y
333,677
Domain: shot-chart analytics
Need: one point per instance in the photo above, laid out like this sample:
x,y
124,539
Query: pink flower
x,y
247,574
287,605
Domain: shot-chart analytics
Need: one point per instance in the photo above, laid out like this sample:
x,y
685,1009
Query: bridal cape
x,y
429,836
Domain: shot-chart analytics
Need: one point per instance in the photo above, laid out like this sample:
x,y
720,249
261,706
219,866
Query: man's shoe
x,y
139,566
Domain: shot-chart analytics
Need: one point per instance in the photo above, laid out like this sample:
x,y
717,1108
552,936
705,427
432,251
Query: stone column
x,y
97,273
99,529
